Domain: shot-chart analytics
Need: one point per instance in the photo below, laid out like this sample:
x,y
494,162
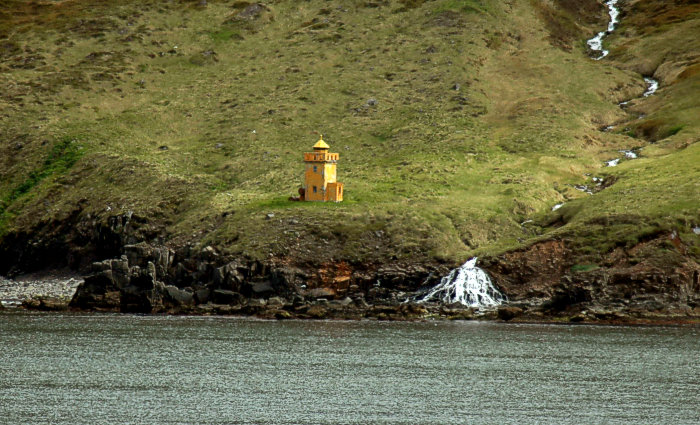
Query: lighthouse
x,y
320,177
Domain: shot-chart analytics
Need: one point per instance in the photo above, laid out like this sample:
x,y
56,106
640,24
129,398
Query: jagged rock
x,y
202,296
177,297
275,301
31,304
404,277
144,294
262,289
547,288
116,286
142,253
577,318
282,314
257,302
287,277
413,309
509,313
379,309
226,309
229,276
254,306
316,312
224,296
45,304
208,253
321,293
183,276
467,314
97,292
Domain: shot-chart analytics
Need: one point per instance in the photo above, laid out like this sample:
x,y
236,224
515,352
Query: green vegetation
x,y
197,117
61,158
583,267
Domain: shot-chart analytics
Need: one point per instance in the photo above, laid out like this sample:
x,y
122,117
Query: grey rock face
x,y
177,296
114,286
223,296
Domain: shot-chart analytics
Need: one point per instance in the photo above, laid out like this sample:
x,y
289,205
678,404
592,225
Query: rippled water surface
x,y
176,370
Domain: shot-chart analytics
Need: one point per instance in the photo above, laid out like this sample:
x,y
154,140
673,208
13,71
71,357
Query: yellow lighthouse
x,y
320,177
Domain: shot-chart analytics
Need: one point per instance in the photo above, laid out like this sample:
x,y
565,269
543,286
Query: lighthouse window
x,y
314,189
315,169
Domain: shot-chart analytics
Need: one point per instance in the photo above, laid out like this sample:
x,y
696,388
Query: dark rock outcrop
x,y
539,281
543,278
114,285
508,313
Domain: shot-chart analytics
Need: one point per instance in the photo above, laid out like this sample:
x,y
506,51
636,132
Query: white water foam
x,y
630,154
583,188
557,206
613,162
652,86
596,43
468,285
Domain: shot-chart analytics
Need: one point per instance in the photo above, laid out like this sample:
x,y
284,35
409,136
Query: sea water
x,y
124,369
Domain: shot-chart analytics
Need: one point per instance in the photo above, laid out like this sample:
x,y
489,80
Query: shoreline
x,y
642,323
324,310
59,285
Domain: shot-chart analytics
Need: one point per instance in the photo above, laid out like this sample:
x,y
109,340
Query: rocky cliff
x,y
153,146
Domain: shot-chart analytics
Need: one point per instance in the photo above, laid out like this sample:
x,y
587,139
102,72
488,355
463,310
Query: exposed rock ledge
x,y
539,282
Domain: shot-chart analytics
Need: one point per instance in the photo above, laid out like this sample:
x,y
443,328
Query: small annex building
x,y
320,177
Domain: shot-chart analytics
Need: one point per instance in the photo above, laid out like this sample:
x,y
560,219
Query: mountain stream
x,y
596,45
469,284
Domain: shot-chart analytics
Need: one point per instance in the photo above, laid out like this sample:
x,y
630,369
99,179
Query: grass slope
x,y
487,114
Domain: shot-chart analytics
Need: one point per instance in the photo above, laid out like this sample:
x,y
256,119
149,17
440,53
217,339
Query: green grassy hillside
x,y
194,116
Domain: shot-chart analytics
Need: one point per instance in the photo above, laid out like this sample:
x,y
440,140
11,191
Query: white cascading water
x,y
652,86
468,285
596,43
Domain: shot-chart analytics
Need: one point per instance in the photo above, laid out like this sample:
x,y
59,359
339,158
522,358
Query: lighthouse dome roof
x,y
321,144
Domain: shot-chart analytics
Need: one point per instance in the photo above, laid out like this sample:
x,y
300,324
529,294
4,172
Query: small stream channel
x,y
468,284
596,45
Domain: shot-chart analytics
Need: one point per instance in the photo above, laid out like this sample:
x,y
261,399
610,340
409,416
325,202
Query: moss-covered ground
x,y
195,115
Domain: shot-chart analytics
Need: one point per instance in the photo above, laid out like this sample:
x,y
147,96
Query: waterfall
x,y
652,86
596,43
468,285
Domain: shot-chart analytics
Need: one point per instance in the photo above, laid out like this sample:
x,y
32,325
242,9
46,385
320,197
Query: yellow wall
x,y
312,179
334,191
324,175
330,173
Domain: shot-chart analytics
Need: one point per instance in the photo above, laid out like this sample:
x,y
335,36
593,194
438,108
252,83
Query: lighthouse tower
x,y
320,177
